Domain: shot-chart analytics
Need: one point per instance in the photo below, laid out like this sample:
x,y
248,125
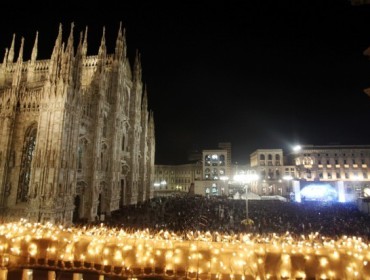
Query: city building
x,y
209,175
77,139
360,2
333,172
172,179
343,168
275,173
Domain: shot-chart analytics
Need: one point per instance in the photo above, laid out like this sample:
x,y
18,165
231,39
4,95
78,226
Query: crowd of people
x,y
198,213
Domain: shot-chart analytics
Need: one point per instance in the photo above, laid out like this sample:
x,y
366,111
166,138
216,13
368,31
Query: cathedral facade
x,y
77,138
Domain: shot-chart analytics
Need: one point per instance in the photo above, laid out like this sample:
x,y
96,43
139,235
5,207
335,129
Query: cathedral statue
x,y
77,138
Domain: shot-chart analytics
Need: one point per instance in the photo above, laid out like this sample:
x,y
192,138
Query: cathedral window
x,y
79,165
263,173
105,127
27,155
222,160
101,161
81,153
103,158
123,143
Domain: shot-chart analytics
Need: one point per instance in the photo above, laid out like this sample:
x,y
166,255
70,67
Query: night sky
x,y
258,74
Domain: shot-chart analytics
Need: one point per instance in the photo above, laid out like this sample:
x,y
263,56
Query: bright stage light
x,y
319,192
297,148
367,192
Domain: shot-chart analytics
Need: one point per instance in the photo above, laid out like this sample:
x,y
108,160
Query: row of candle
x,y
120,251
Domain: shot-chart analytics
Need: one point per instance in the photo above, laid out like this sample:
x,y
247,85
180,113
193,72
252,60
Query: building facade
x,y
273,171
345,167
209,175
336,172
172,179
77,139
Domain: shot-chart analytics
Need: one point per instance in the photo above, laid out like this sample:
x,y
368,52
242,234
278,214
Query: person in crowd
x,y
224,215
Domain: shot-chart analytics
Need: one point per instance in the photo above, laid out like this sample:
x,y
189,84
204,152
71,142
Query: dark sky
x,y
258,74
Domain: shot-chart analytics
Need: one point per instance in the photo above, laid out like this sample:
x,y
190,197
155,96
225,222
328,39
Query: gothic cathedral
x,y
76,137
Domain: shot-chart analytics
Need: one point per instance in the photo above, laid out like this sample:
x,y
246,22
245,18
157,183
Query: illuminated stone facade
x,y
208,175
347,164
273,172
77,139
172,179
344,167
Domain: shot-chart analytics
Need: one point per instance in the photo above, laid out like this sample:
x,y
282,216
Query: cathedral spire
x,y
5,57
34,50
11,51
55,56
31,65
102,53
84,44
120,50
79,47
3,67
69,48
137,67
144,103
102,47
79,58
58,43
80,42
20,55
67,58
151,133
18,69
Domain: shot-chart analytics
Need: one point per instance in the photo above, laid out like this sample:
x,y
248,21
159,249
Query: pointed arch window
x,y
26,162
105,127
123,142
222,160
81,152
103,158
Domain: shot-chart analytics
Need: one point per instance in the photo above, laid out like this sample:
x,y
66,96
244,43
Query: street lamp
x,y
163,183
224,179
288,178
281,191
245,179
